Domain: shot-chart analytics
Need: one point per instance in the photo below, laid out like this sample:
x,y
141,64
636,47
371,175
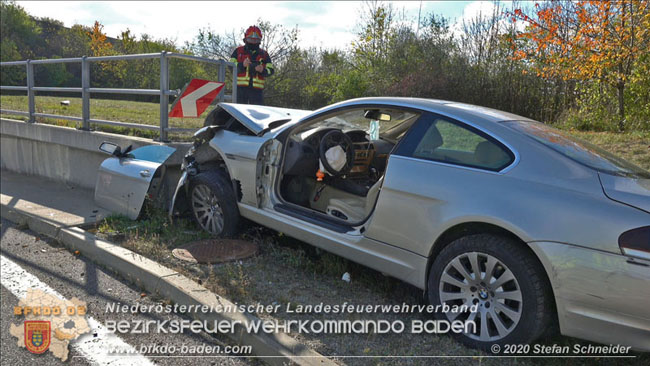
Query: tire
x,y
515,300
213,203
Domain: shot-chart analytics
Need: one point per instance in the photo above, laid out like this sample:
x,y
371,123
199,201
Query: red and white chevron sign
x,y
195,98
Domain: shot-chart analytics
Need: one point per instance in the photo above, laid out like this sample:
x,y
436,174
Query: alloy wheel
x,y
481,279
207,210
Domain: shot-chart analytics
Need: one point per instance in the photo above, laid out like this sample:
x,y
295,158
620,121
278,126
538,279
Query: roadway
x,y
31,261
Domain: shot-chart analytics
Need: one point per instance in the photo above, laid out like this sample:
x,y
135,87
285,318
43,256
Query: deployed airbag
x,y
336,158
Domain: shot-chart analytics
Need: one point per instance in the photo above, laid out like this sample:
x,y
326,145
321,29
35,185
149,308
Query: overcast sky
x,y
327,24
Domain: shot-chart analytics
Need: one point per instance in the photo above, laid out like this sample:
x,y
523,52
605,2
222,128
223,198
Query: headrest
x,y
490,154
431,140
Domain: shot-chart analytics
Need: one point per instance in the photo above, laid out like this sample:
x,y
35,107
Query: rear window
x,y
578,150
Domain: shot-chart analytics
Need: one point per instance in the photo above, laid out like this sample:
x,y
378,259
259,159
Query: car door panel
x,y
422,192
123,182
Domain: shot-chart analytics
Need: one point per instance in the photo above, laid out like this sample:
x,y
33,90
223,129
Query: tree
x,y
19,31
277,40
280,42
210,44
377,21
99,44
586,40
20,35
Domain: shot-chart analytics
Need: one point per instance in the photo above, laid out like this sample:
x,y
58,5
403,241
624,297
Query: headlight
x,y
636,242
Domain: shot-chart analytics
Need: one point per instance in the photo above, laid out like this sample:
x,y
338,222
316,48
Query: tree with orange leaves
x,y
100,46
585,40
98,42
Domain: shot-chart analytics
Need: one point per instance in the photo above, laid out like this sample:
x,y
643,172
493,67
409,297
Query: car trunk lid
x,y
632,191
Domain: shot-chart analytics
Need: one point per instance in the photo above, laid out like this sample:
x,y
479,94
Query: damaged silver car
x,y
473,205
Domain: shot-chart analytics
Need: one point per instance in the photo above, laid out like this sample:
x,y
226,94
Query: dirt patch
x,y
211,251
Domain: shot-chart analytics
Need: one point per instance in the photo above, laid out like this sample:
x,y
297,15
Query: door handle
x,y
145,173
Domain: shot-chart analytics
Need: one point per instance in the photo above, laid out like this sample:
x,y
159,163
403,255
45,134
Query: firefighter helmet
x,y
253,34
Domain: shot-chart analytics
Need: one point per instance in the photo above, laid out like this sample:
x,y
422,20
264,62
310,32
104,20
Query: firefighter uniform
x,y
250,82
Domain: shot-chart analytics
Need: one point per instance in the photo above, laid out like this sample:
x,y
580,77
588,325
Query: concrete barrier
x,y
69,155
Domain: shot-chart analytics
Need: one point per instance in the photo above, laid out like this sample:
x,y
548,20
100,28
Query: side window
x,y
444,141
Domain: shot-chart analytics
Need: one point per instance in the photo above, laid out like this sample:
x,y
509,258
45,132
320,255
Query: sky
x,y
327,24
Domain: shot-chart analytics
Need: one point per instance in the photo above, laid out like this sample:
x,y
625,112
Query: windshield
x,y
578,150
393,125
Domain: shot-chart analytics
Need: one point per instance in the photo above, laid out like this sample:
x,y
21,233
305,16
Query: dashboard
x,y
302,153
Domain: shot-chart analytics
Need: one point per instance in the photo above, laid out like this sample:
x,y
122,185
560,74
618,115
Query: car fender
x,y
468,224
180,191
240,155
599,296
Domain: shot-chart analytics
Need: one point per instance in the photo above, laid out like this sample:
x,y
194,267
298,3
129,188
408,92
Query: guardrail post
x,y
85,94
222,78
234,85
164,98
30,92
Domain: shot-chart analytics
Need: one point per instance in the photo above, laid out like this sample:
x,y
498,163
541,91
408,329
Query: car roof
x,y
449,108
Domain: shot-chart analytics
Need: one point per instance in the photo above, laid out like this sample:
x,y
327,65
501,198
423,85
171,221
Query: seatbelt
x,y
318,192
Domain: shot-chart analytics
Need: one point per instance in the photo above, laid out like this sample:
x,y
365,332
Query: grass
x,y
632,146
106,109
457,138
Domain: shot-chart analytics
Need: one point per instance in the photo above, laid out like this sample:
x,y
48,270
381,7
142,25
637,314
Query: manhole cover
x,y
215,250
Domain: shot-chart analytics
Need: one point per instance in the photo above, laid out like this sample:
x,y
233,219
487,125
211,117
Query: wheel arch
x,y
469,228
217,182
477,227
218,162
208,159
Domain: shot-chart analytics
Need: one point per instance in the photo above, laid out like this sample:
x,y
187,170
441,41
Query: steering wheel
x,y
334,138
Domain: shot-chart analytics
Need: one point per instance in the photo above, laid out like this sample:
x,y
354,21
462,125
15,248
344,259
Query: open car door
x,y
123,180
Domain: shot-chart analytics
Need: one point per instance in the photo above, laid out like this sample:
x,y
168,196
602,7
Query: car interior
x,y
343,186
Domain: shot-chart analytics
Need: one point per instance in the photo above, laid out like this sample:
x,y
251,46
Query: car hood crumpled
x,y
256,117
633,192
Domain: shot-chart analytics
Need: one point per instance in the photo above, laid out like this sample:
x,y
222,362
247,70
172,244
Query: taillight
x,y
636,242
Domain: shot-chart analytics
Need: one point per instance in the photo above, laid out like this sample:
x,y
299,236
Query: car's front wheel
x,y
213,203
504,282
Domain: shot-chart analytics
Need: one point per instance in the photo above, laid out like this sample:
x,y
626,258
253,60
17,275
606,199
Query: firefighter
x,y
253,67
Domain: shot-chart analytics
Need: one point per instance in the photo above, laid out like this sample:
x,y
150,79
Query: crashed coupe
x,y
472,205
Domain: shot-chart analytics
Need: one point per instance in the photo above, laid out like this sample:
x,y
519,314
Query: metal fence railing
x,y
86,90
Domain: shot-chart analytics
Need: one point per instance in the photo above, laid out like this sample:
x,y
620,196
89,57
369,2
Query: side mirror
x,y
109,148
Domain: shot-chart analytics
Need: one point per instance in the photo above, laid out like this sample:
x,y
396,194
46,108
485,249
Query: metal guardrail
x,y
86,90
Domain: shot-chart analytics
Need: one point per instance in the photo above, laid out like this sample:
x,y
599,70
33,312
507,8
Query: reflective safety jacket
x,y
248,76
